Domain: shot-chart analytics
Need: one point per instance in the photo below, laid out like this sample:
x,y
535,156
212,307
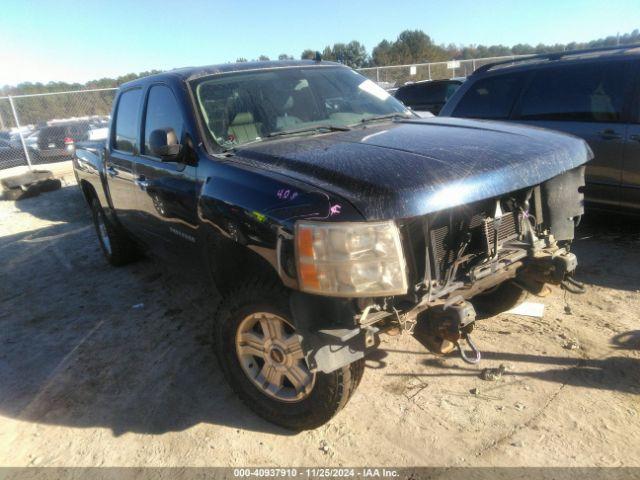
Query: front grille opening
x,y
468,232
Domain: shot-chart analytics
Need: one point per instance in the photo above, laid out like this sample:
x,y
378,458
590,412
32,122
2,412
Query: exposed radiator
x,y
480,228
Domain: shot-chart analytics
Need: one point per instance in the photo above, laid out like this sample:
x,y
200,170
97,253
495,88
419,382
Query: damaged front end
x,y
524,236
452,256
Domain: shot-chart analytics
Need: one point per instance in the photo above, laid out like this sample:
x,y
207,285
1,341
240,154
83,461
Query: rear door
x,y
586,99
630,188
167,190
121,155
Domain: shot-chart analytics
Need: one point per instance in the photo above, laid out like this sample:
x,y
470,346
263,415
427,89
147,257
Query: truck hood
x,y
402,169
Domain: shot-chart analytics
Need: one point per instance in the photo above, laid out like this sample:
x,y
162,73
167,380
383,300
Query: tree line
x,y
410,47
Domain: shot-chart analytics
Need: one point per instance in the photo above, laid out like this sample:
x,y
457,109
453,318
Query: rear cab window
x,y
125,136
490,98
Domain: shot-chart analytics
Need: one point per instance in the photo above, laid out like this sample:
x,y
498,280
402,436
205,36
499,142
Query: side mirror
x,y
163,143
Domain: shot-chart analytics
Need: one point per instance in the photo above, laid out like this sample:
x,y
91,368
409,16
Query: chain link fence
x,y
43,128
397,75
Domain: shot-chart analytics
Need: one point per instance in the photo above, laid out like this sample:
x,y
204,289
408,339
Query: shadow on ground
x,y
83,344
620,374
607,250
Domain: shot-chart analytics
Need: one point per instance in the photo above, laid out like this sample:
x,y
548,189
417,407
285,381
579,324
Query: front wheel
x,y
263,360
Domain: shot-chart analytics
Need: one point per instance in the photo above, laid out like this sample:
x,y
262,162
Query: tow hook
x,y
477,355
570,284
452,321
564,267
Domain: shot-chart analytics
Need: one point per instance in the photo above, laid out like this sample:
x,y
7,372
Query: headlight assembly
x,y
354,259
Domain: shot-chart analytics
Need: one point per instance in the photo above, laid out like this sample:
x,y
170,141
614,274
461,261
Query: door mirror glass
x,y
164,144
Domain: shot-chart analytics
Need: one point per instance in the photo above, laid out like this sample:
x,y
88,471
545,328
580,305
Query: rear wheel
x,y
115,244
262,358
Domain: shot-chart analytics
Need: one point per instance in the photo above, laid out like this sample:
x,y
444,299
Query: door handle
x,y
141,182
112,171
609,134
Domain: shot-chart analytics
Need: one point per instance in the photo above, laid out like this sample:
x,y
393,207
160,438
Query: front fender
x,y
257,209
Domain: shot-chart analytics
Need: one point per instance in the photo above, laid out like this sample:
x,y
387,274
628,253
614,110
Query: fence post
x,y
429,70
378,74
1,121
473,65
24,144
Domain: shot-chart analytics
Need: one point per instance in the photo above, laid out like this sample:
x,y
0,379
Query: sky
x,y
76,41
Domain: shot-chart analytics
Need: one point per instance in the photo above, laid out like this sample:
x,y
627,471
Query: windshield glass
x,y
246,107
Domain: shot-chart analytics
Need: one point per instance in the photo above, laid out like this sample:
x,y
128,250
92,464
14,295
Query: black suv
x,y
428,96
593,94
56,142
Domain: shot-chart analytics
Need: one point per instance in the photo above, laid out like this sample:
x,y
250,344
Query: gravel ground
x,y
113,366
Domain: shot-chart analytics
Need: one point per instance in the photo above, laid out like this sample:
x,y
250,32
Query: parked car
x,y
594,94
11,155
56,142
325,210
429,95
31,140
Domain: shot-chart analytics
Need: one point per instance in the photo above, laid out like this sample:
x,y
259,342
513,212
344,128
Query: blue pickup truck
x,y
324,211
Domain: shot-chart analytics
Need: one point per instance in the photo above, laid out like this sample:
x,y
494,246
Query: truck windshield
x,y
247,107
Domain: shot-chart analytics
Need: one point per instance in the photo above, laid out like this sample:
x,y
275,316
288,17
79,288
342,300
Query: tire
x,y
500,299
115,244
285,405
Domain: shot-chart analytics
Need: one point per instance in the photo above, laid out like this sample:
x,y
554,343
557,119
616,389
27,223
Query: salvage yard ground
x,y
105,366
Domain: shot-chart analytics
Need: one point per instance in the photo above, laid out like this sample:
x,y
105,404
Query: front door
x,y
121,157
167,190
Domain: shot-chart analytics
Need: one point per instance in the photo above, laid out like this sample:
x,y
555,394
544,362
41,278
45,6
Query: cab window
x,y
162,113
126,121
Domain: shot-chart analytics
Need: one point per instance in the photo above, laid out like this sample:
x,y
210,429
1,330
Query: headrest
x,y
243,118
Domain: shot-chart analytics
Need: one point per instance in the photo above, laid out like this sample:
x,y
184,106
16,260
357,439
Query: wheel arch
x,y
230,263
88,191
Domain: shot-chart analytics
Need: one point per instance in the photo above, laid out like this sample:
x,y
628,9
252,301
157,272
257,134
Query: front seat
x,y
244,128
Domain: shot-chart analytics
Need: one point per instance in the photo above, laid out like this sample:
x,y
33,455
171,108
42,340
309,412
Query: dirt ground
x,y
113,366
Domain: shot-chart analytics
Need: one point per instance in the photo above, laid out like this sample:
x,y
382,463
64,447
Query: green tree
x,y
263,58
284,56
307,55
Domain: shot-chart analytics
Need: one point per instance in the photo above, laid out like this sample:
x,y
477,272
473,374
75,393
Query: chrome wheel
x,y
103,232
270,354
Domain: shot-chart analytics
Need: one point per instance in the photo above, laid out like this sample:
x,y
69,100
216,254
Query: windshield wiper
x,y
316,128
393,115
